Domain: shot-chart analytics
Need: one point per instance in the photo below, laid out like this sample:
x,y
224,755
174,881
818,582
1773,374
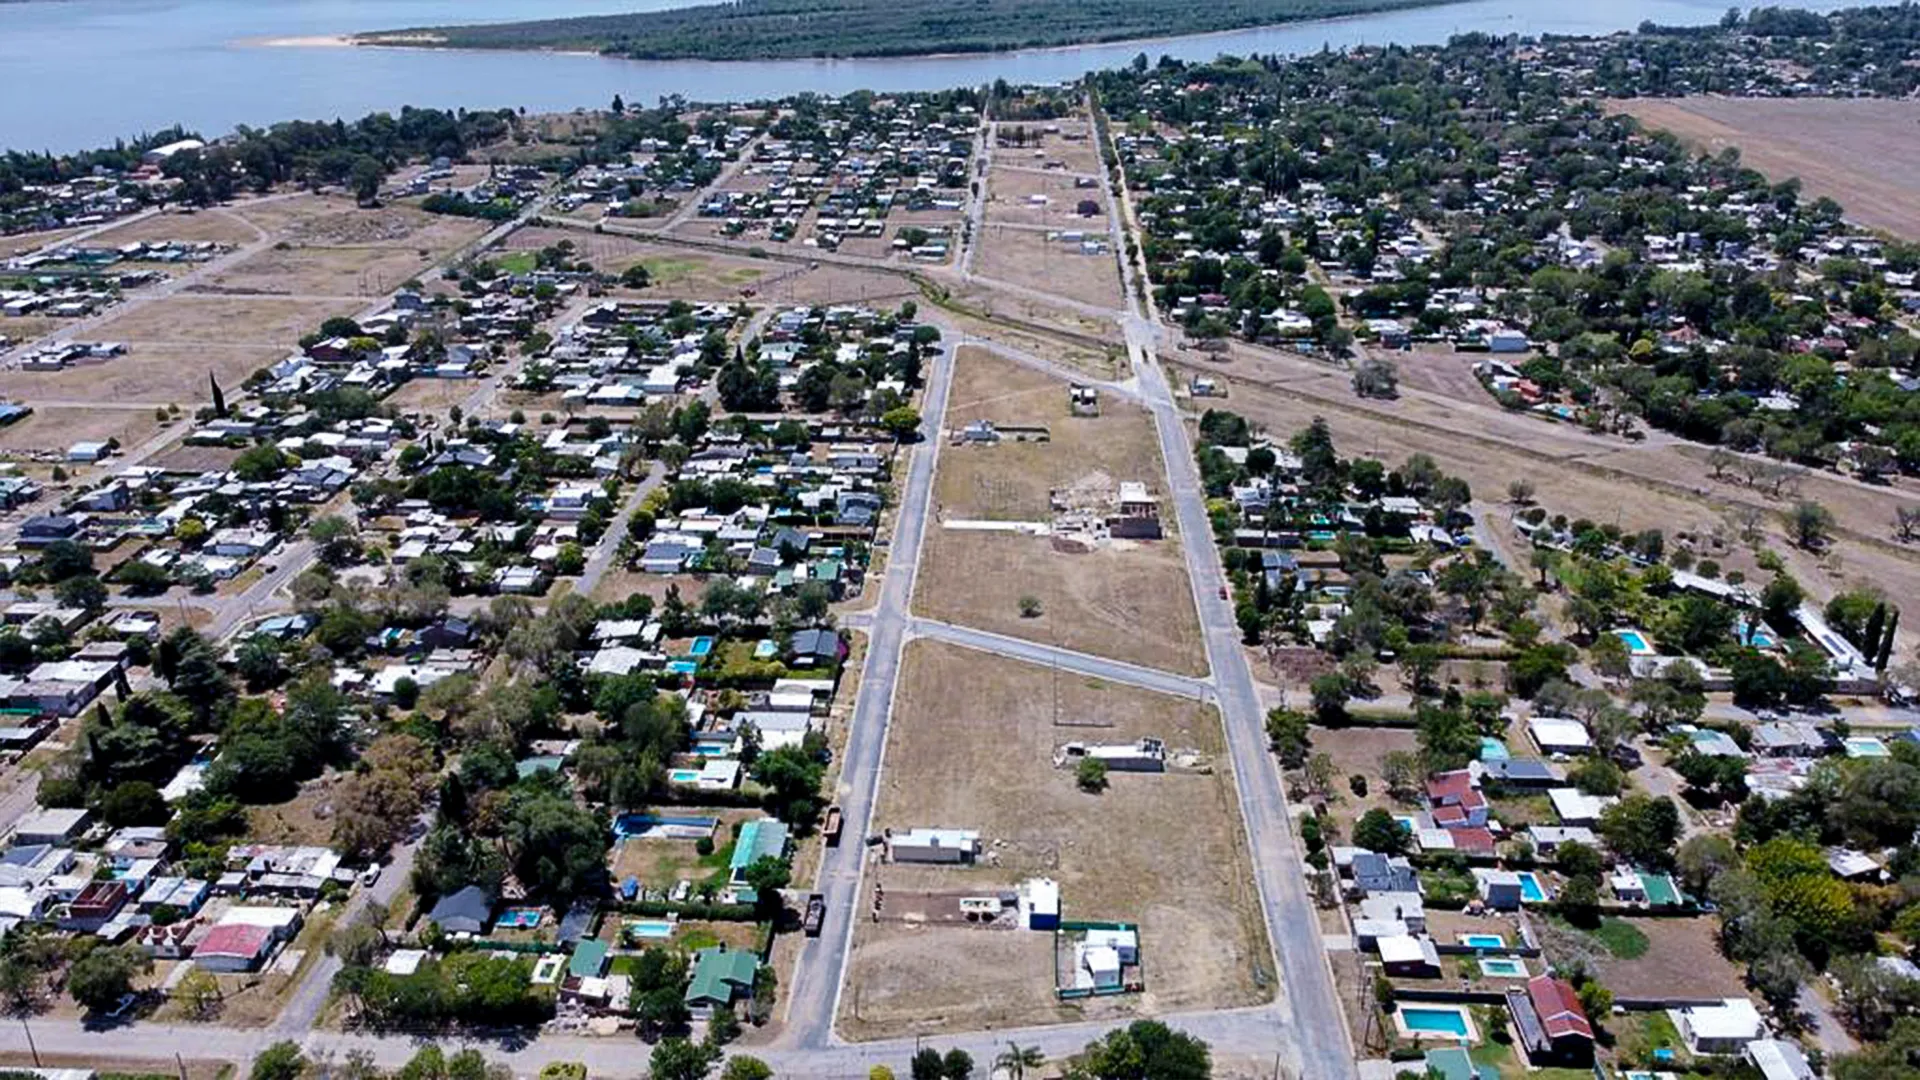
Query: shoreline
x,y
436,43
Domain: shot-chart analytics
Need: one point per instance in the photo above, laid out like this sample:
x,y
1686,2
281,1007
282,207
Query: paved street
x,y
815,990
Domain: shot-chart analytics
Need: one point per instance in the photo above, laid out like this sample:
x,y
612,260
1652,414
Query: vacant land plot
x,y
1025,195
1096,344
56,428
1127,600
222,320
971,746
1677,953
147,375
1863,153
1011,480
323,271
1030,258
217,226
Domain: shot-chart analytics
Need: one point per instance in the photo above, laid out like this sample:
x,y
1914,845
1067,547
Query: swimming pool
x,y
683,776
701,646
1492,749
1531,891
1483,941
1865,746
1504,967
1636,642
522,918
1435,1020
683,667
668,827
1754,635
653,929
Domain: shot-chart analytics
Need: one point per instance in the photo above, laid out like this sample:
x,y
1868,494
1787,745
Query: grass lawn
x,y
1500,1056
519,262
1622,939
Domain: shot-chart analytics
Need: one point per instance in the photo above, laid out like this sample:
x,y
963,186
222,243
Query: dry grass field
x,y
1129,600
971,746
1027,257
55,429
1009,191
171,374
221,225
1863,153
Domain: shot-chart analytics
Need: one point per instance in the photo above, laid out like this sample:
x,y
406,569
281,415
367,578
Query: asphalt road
x,y
815,992
1079,663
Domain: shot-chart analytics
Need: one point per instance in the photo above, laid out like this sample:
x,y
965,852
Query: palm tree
x,y
1018,1059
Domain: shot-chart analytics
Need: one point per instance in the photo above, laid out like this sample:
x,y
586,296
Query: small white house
x,y
1725,1028
934,845
1554,735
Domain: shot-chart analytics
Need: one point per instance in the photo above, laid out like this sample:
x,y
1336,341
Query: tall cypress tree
x,y
1870,637
219,399
1886,643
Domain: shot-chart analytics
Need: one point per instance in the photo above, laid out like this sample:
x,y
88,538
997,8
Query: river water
x,y
81,73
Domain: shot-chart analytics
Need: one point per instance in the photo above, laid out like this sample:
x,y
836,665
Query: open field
x,y
1011,480
22,243
323,271
174,374
1027,257
225,321
971,746
1129,600
58,428
1010,192
1863,153
1078,154
1662,483
220,226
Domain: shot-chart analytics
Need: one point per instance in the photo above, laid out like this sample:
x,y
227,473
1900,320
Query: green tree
x,y
1378,831
679,1059
1091,775
1642,829
1287,734
1144,1050
104,975
281,1061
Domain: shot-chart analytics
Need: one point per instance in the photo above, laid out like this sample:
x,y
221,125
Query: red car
x,y
1223,592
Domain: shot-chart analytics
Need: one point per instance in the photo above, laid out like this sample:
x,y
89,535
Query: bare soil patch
x,y
1013,194
971,747
1680,953
222,320
150,374
1864,153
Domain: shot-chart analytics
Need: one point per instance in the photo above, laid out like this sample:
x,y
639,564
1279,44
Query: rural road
x,y
609,546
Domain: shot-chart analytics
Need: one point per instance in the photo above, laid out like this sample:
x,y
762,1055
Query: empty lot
x,y
971,746
1129,600
1863,153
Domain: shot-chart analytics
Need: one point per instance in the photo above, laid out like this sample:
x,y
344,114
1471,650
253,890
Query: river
x,y
81,73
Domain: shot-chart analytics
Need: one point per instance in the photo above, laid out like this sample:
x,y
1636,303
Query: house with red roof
x,y
1550,1024
234,947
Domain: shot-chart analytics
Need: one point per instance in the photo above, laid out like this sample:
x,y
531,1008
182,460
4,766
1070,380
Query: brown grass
x,y
219,226
1009,188
1863,153
149,374
1680,953
57,429
1026,257
971,747
1129,600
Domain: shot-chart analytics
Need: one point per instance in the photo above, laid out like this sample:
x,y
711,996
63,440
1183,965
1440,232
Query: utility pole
x,y
30,1043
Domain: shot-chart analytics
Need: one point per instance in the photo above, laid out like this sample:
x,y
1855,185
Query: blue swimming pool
x,y
683,776
1483,941
1636,642
1504,967
639,824
1492,749
522,918
683,667
654,929
1435,1021
1753,634
1531,891
701,646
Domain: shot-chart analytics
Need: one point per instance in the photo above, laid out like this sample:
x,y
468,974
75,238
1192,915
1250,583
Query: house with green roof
x,y
759,839
589,960
721,976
